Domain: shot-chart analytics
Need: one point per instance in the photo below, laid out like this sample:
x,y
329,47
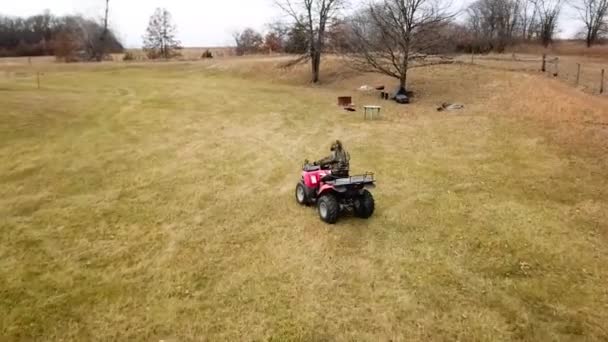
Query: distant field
x,y
154,201
189,53
565,48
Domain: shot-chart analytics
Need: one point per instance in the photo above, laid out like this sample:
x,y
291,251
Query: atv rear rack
x,y
366,178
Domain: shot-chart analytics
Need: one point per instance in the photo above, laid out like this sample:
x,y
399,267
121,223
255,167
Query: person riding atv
x,y
327,184
338,161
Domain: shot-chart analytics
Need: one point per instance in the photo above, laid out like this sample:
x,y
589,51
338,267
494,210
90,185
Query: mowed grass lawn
x,y
155,202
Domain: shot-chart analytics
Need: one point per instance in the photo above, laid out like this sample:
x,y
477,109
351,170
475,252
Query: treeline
x,y
288,38
493,25
485,25
70,37
279,38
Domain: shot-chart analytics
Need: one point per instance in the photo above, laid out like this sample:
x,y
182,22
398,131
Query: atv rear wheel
x,y
328,208
301,194
364,205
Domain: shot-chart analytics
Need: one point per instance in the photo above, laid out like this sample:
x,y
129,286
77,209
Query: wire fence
x,y
588,76
26,79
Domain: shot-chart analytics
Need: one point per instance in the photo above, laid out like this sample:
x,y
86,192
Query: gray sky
x,y
199,22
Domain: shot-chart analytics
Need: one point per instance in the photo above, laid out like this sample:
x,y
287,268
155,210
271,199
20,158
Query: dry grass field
x,y
562,62
155,202
186,54
564,68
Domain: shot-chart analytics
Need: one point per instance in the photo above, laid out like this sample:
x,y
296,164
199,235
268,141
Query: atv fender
x,y
340,189
326,188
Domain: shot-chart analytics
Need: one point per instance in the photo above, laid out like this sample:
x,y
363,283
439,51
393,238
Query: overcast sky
x,y
199,22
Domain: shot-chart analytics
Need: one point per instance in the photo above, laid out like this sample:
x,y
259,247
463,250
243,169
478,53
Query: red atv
x,y
333,195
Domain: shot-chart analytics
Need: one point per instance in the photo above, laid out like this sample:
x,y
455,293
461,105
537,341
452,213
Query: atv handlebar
x,y
310,167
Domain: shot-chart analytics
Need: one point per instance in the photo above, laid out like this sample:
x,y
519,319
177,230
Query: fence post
x,y
544,66
602,83
38,79
556,67
578,73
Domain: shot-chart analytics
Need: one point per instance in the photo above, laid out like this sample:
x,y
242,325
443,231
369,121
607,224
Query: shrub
x,y
207,54
66,47
128,57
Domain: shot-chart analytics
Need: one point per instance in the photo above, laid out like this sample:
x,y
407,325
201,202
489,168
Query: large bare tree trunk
x,y
405,63
316,66
403,82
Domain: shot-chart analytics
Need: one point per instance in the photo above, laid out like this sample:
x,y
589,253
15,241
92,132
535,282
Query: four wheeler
x,y
333,195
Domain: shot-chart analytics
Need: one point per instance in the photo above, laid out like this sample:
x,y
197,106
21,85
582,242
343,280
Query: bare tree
x,y
548,15
494,22
528,20
91,34
594,15
95,36
160,40
315,16
393,36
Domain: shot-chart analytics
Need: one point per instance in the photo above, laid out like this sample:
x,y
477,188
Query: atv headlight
x,y
313,179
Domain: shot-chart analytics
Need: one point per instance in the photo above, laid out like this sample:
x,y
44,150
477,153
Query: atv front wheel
x,y
364,205
328,208
301,194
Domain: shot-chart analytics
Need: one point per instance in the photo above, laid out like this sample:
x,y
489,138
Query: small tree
x,y
247,42
276,36
296,41
160,40
594,15
273,42
207,54
65,46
